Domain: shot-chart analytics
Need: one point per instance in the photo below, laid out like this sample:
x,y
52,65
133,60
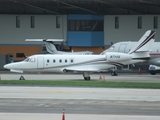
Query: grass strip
x,y
81,83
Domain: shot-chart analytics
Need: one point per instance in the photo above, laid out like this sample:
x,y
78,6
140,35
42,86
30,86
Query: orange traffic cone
x,y
63,115
104,80
100,77
139,71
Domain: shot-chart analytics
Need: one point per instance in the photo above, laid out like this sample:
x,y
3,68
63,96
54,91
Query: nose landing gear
x,y
21,78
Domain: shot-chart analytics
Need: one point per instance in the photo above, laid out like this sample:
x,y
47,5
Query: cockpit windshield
x,y
26,60
30,60
111,48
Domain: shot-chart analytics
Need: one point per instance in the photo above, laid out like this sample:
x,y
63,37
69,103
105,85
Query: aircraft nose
x,y
7,66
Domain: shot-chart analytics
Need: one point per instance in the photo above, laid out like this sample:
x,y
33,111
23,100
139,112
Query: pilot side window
x,y
32,60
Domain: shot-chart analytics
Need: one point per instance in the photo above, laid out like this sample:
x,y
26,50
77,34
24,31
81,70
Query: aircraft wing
x,y
82,69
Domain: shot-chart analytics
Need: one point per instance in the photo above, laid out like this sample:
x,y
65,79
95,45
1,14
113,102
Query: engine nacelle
x,y
117,57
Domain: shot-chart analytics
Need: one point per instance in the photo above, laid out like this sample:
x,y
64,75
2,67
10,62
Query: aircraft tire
x,y
114,74
152,73
64,71
21,78
87,78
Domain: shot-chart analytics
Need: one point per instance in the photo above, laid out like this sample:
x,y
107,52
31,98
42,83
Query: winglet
x,y
144,44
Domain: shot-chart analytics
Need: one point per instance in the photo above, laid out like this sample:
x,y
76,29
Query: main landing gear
x,y
114,73
21,78
86,75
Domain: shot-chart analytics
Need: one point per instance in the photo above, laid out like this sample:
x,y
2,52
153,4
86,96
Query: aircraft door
x,y
122,48
40,62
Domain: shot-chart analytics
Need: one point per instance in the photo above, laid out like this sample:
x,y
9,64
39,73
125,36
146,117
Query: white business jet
x,y
50,47
125,47
85,63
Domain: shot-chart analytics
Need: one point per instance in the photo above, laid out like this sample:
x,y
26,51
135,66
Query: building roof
x,y
102,7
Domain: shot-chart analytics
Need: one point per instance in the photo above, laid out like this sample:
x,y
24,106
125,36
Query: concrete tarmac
x,y
27,102
47,103
122,77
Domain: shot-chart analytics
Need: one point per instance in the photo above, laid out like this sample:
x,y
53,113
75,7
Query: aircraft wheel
x,y
21,78
87,78
153,73
64,71
114,73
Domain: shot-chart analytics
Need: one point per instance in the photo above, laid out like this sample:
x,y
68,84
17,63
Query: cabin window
x,y
54,61
71,60
48,61
60,60
65,60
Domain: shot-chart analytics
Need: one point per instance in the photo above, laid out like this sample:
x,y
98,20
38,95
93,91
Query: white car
x,y
153,69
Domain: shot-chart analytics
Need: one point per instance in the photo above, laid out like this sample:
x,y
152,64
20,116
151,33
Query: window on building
x,y
78,23
89,24
155,22
139,22
32,22
17,21
57,21
116,22
97,25
71,25
20,55
85,25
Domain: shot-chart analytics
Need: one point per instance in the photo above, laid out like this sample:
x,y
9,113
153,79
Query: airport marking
x,y
52,93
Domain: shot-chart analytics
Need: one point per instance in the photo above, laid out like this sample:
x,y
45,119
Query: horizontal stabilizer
x,y
53,40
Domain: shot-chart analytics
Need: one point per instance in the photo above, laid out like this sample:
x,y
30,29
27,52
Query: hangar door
x,y
40,62
122,48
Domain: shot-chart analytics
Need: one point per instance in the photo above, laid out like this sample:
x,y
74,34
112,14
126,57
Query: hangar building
x,y
84,24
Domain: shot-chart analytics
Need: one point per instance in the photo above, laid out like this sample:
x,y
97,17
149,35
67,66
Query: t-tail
x,y
50,47
141,50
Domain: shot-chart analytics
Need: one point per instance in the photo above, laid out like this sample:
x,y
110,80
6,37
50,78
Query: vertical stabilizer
x,y
144,44
50,47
